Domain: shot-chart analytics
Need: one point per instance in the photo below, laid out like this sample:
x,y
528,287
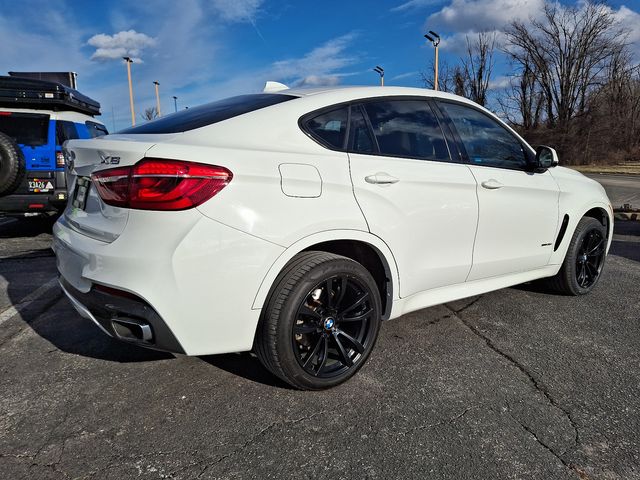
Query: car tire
x,y
12,165
584,260
320,322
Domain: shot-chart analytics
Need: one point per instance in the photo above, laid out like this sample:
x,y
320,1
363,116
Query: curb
x,y
627,216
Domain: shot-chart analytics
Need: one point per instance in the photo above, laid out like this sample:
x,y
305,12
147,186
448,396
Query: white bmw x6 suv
x,y
293,222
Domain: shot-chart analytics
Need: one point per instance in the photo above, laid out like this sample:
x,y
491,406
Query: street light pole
x,y
435,39
175,103
157,99
380,71
133,113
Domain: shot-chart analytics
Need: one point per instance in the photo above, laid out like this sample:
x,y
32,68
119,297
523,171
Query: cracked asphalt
x,y
514,384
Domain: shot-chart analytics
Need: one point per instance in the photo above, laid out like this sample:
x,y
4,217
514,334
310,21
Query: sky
x,y
203,50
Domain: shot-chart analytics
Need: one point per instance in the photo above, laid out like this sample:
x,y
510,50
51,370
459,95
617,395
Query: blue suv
x,y
36,118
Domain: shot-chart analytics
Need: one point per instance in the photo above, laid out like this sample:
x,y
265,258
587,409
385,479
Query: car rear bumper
x,y
24,200
188,273
34,202
124,317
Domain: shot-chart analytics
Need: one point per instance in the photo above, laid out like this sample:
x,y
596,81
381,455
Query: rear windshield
x,y
65,131
210,113
96,129
25,128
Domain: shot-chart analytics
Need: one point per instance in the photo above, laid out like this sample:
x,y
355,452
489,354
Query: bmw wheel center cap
x,y
329,322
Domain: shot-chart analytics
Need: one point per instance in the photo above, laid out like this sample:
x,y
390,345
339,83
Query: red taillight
x,y
157,184
59,159
5,114
113,185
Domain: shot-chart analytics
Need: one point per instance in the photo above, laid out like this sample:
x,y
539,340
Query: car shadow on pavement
x,y
247,366
65,329
537,286
52,317
12,227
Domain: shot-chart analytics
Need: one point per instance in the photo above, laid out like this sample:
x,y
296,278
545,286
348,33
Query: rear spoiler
x,y
30,93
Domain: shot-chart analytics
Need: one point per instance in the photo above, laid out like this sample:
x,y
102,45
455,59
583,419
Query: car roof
x,y
351,92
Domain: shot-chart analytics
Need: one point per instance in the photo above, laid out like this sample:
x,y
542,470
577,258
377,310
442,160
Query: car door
x,y
413,196
518,207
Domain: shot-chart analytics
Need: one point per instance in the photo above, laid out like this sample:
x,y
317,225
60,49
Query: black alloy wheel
x,y
590,258
584,261
333,326
320,322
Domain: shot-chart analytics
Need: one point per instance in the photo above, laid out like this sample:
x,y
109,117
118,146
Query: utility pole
x,y
435,39
157,99
380,71
175,103
133,112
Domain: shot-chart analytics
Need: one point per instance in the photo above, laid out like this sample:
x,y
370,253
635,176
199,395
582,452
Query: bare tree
x,y
470,77
446,77
478,65
615,107
522,101
569,48
150,113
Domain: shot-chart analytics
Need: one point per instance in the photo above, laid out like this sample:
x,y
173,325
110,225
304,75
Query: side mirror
x,y
546,157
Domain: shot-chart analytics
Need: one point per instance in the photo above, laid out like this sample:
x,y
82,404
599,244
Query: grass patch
x,y
630,169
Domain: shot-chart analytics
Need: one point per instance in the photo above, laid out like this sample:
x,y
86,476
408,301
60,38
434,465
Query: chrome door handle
x,y
381,178
492,184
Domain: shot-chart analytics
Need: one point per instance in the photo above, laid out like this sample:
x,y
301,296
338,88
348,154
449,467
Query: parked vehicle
x,y
293,222
36,118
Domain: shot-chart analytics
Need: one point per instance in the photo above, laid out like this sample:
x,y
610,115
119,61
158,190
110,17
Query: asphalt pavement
x,y
514,384
621,189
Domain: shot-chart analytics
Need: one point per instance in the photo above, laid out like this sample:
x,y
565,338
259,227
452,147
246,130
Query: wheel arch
x,y
362,247
600,214
599,211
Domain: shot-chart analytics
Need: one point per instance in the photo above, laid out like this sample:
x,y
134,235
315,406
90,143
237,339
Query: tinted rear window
x,y
210,113
330,127
65,131
96,129
25,128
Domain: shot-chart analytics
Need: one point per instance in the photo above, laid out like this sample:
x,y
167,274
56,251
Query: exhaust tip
x,y
132,330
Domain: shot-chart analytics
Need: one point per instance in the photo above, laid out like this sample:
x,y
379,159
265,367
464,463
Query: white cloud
x,y
457,43
630,20
126,43
500,82
468,17
237,10
322,61
318,81
415,4
405,75
481,15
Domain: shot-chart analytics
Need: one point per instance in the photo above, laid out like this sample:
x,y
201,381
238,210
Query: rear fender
x,y
321,237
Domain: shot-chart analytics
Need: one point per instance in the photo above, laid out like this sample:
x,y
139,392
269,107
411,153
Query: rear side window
x,y
25,128
361,141
210,113
65,131
96,129
485,140
407,128
330,127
